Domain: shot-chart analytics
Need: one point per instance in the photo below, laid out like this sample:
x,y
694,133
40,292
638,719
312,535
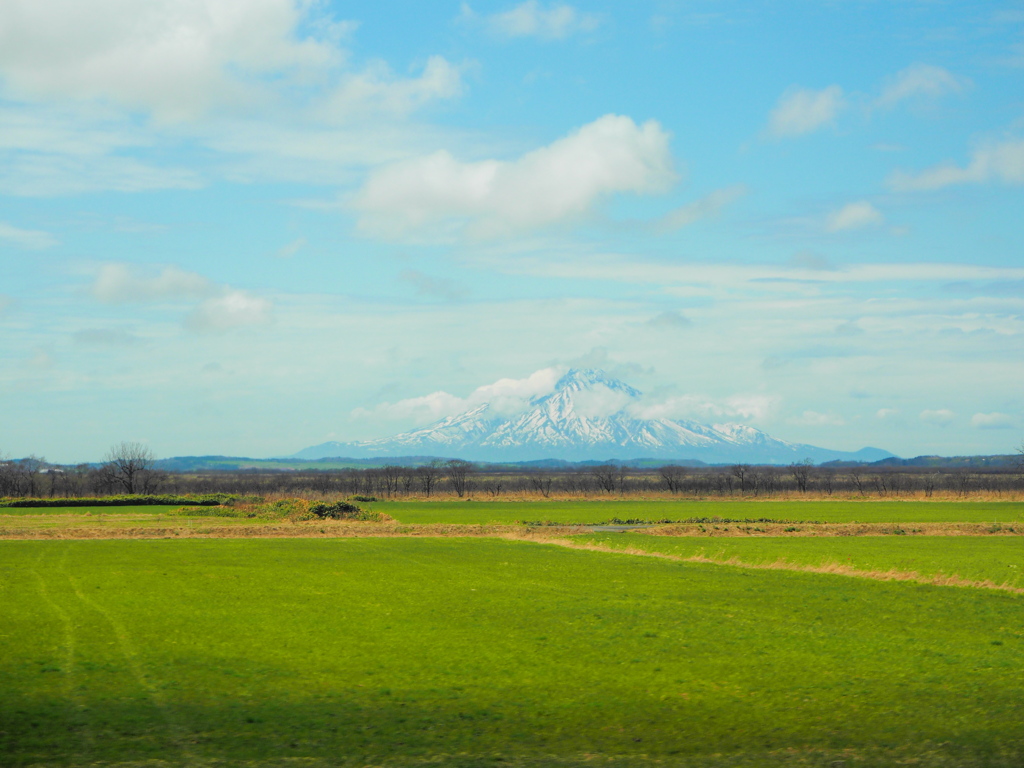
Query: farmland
x,y
417,647
602,510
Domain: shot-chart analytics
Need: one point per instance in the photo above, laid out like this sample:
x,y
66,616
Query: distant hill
x,y
566,425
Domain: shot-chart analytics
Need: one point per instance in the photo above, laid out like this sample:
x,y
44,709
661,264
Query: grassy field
x,y
101,511
398,651
598,511
996,559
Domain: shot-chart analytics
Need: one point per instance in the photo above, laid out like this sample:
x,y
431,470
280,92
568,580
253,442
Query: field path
x,y
131,656
834,568
69,672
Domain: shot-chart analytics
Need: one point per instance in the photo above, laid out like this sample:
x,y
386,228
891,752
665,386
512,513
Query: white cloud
x,y
176,59
920,80
560,181
854,216
704,208
801,110
555,21
122,283
232,309
266,82
219,307
940,417
506,396
6,302
292,248
32,239
994,161
815,419
886,413
378,90
746,407
992,421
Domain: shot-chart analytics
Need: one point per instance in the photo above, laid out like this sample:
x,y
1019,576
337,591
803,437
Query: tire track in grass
x,y
68,666
177,732
834,568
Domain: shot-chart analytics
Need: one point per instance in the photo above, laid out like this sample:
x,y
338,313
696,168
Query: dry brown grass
x,y
284,530
837,529
27,527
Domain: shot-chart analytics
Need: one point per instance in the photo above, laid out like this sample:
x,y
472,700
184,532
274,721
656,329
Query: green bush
x,y
295,510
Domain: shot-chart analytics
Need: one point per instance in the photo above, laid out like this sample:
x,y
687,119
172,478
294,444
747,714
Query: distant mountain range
x,y
587,417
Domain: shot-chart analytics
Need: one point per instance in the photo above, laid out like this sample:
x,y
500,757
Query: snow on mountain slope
x,y
586,417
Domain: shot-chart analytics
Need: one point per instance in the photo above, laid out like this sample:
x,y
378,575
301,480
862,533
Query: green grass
x,y
996,559
604,510
134,509
396,651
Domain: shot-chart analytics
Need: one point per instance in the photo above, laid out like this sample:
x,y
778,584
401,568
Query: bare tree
x,y
458,471
801,472
390,476
672,475
132,466
741,473
605,476
541,483
428,475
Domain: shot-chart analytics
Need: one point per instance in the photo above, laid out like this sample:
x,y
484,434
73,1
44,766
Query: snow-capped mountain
x,y
588,416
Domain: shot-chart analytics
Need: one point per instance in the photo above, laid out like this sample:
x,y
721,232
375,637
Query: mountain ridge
x,y
587,415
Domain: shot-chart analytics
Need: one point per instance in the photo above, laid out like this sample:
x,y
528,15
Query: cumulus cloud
x,y
506,396
994,161
232,309
173,59
32,239
854,216
562,180
920,80
992,421
801,110
554,21
940,417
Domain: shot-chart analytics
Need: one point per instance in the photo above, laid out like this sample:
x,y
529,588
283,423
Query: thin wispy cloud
x,y
30,239
1001,161
545,21
858,215
801,111
920,81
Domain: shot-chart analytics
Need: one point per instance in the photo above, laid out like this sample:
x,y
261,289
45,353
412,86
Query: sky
x,y
246,227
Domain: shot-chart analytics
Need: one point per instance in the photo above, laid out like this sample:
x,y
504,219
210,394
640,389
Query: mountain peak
x,y
587,415
589,378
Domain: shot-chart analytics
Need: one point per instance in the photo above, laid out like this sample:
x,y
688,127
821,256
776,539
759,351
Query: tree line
x,y
131,468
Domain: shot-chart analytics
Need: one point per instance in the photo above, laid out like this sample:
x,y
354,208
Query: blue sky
x,y
248,227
